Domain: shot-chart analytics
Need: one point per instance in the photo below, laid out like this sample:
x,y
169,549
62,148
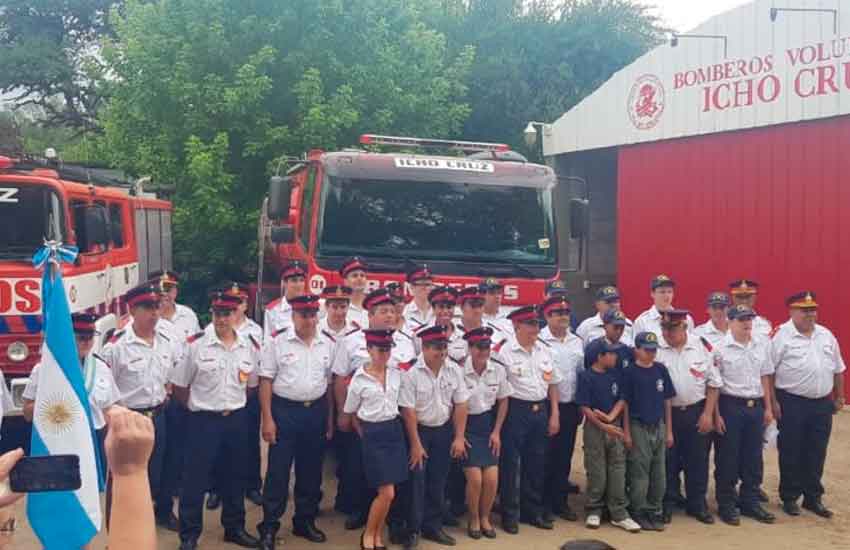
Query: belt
x,y
699,404
219,413
748,402
293,403
827,397
150,412
535,406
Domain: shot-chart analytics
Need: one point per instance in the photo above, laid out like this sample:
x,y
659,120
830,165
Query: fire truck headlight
x,y
17,352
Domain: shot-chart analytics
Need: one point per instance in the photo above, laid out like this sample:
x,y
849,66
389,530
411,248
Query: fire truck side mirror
x,y
97,225
280,191
579,217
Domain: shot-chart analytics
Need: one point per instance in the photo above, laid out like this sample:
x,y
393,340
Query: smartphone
x,y
38,474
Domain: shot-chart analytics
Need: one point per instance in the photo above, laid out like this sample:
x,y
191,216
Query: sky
x,y
684,15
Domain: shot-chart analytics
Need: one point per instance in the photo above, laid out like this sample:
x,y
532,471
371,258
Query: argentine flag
x,y
62,424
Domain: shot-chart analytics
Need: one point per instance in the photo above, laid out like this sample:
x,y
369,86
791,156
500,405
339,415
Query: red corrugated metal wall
x,y
771,204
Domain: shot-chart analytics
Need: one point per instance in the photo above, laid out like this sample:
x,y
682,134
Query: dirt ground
x,y
806,532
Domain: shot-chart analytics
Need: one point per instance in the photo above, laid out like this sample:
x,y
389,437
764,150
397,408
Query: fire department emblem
x,y
646,102
72,294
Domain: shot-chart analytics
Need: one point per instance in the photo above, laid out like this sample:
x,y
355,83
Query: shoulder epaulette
x,y
352,331
356,325
98,357
400,331
194,337
458,362
773,331
706,343
115,337
161,333
279,331
406,366
498,347
497,361
420,323
544,342
329,335
460,328
273,304
494,327
254,341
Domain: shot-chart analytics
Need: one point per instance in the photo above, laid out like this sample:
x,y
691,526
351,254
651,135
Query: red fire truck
x,y
486,214
123,234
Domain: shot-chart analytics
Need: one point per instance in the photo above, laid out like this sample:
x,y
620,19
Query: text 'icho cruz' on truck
x,y
466,217
123,234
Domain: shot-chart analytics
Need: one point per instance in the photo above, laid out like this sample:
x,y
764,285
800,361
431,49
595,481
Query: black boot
x,y
307,529
240,537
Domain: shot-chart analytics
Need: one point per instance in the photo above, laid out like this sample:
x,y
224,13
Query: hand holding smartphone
x,y
37,474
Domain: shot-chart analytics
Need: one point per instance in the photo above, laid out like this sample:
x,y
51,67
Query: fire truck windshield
x,y
28,215
433,220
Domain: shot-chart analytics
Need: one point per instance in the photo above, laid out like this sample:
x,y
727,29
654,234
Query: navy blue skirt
x,y
478,430
385,454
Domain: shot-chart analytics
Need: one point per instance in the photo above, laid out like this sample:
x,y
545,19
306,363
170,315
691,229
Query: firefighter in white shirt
x,y
567,352
744,409
418,313
745,292
443,301
184,321
493,316
809,389
353,273
335,323
607,299
471,303
212,380
278,313
297,412
141,358
715,329
695,378
662,290
533,415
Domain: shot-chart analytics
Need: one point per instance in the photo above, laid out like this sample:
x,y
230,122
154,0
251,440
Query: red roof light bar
x,y
372,139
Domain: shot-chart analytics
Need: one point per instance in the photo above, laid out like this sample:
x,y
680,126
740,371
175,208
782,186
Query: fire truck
x,y
489,213
123,234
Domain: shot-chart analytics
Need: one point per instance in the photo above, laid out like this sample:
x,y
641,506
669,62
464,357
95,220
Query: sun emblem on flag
x,y
58,412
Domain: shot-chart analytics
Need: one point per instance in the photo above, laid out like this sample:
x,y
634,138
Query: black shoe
x,y
667,514
548,516
730,517
412,542
489,533
758,513
255,497
568,514
355,521
168,522
703,516
540,522
762,496
791,507
473,533
510,527
309,531
644,522
816,506
241,538
213,501
440,537
188,545
657,521
573,489
267,541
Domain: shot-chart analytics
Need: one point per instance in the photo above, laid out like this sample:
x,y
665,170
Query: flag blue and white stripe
x,y
62,422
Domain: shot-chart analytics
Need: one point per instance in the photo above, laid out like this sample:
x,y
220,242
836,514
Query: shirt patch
x,y
614,388
659,385
695,373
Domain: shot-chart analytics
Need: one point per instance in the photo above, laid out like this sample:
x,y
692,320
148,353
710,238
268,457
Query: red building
x,y
720,154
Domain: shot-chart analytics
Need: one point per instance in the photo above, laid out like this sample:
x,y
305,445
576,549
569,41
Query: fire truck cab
x,y
122,233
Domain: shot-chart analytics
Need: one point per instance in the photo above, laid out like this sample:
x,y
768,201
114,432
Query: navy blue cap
x,y
599,346
662,280
803,300
718,299
491,283
556,287
442,295
614,317
145,294
434,334
608,294
525,314
646,340
740,313
674,316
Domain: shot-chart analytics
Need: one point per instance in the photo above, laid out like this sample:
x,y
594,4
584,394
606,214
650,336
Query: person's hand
x,y
777,410
496,443
7,462
417,456
720,425
129,441
670,441
614,431
269,430
344,422
554,426
768,417
458,449
705,424
628,443
839,403
602,416
329,433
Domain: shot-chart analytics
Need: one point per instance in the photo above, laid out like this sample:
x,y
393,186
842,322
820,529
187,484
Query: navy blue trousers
x,y
428,484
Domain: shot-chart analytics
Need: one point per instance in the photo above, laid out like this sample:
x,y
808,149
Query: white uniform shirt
x,y
140,370
691,369
252,329
217,377
650,321
805,365
102,394
711,333
358,316
503,327
742,366
568,356
184,321
416,319
529,374
337,335
592,328
488,387
433,396
298,372
761,327
278,316
371,400
458,348
351,352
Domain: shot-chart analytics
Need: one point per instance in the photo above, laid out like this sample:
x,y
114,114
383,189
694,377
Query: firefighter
x,y
183,321
715,329
297,413
696,380
744,409
607,299
279,312
809,383
745,292
568,354
141,356
335,324
212,380
493,316
662,290
353,273
443,301
533,414
614,324
418,313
